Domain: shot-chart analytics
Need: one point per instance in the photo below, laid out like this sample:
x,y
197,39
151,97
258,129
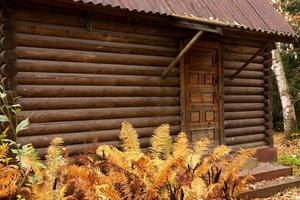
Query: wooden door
x,y
201,85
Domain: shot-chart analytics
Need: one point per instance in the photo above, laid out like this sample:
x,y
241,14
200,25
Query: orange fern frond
x,y
220,152
181,146
161,141
9,177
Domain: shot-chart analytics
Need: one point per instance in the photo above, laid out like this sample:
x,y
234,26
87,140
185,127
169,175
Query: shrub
x,y
170,170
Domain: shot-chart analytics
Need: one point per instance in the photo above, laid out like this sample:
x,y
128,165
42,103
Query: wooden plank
x,y
236,65
96,125
30,40
244,74
243,115
37,78
95,91
182,53
253,57
238,123
97,113
94,102
248,145
97,35
87,137
23,65
242,57
245,139
243,106
90,57
243,90
244,99
231,132
244,82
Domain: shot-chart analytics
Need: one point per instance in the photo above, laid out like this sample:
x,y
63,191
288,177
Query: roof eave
x,y
275,35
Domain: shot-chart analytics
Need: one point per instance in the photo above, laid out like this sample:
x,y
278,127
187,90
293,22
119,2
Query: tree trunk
x,y
288,109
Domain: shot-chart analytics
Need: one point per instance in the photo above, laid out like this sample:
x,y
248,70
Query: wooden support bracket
x,y
259,52
182,53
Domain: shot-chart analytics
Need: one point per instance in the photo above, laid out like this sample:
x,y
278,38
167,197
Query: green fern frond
x,y
161,141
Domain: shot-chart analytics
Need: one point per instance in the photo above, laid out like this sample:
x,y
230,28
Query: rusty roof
x,y
254,15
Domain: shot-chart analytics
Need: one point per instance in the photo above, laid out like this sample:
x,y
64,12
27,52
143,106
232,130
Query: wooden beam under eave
x,y
260,51
182,53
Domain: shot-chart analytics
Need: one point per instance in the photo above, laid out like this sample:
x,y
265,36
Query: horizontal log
x,y
268,117
90,68
228,107
30,40
240,49
7,29
76,149
244,123
95,125
244,74
103,21
8,57
9,83
242,57
243,82
97,113
8,42
248,145
245,139
236,65
243,115
36,78
243,90
230,132
95,102
8,70
6,14
100,35
269,125
95,91
89,56
244,98
89,137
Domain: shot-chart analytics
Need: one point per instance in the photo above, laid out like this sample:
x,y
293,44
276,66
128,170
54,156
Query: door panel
x,y
201,93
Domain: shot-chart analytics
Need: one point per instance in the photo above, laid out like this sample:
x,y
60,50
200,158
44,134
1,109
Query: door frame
x,y
220,137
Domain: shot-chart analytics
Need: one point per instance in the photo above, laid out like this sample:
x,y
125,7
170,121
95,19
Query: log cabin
x,y
81,67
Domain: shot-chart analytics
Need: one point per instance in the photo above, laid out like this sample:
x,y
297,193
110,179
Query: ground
x,y
288,154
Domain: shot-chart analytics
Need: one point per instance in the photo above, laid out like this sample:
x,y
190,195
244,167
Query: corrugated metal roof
x,y
255,15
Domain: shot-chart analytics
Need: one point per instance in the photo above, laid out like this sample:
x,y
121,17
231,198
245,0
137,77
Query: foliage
x,y
186,173
290,160
291,59
288,151
168,171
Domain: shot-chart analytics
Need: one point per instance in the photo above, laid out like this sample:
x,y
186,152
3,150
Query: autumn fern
x,y
130,143
161,141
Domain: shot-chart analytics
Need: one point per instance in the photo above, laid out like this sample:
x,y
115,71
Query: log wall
x,y
247,97
80,83
79,77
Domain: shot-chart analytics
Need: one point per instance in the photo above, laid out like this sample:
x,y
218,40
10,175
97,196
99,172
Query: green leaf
x,y
23,125
3,118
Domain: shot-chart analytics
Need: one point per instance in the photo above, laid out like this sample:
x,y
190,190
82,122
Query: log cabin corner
x,y
80,68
